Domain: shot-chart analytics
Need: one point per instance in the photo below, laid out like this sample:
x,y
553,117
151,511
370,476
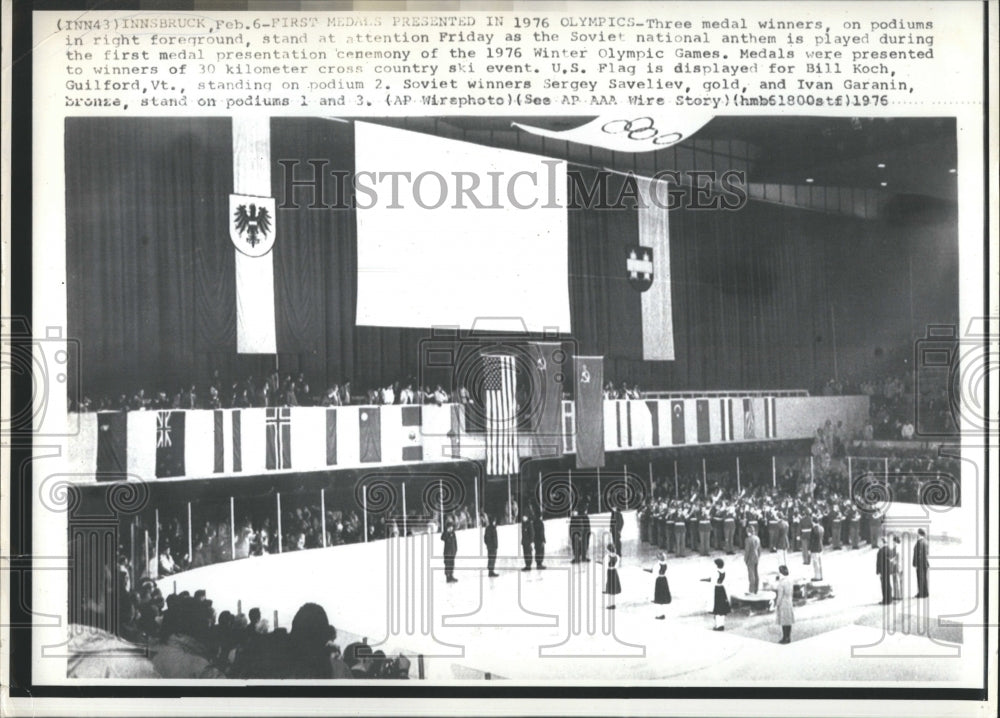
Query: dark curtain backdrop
x,y
152,298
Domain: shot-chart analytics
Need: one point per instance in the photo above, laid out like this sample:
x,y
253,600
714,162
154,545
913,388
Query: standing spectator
x,y
613,585
617,524
921,562
784,612
490,539
720,606
527,541
751,556
539,541
883,567
450,551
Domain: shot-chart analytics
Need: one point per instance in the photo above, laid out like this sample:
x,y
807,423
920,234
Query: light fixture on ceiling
x,y
881,165
884,184
952,171
809,180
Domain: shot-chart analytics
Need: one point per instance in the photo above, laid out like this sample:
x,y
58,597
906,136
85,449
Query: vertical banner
x,y
704,430
369,434
678,435
169,444
749,422
252,234
279,439
331,437
500,392
654,233
112,445
589,398
544,398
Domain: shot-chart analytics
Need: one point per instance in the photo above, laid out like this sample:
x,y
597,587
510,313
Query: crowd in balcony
x,y
271,390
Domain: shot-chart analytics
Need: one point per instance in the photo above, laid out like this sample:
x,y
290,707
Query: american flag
x,y
499,387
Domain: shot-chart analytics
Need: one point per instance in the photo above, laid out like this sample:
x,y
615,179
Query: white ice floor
x,y
552,625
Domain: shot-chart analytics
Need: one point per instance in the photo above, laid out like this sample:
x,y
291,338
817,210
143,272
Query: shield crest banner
x,y
251,224
639,268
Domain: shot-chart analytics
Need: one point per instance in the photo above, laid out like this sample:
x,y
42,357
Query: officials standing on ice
x,y
784,613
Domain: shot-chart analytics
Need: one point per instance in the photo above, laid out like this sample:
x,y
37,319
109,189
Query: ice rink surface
x,y
553,625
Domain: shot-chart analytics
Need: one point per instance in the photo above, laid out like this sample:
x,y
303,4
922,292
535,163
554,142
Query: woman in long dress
x,y
721,607
661,589
613,586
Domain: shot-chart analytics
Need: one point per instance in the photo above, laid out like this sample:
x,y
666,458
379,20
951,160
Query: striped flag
x,y
728,428
770,418
500,388
279,439
623,423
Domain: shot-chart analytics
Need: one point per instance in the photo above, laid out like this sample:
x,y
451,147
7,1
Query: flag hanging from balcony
x,y
169,443
589,412
499,392
279,438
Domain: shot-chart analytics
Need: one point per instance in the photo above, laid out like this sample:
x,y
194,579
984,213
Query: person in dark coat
x,y
538,525
613,585
617,524
490,539
450,551
921,562
527,541
720,606
576,535
585,524
661,589
883,567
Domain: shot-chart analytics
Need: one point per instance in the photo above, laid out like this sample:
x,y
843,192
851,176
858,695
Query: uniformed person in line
x,y
729,530
854,527
680,533
836,520
704,533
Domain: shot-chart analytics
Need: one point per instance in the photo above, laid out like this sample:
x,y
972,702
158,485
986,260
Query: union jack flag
x,y
163,439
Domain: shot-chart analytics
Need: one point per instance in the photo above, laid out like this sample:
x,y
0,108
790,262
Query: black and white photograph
x,y
316,391
680,397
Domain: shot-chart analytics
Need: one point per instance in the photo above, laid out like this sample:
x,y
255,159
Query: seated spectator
x,y
186,652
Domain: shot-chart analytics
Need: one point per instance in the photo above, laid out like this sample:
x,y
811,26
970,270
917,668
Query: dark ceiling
x,y
919,154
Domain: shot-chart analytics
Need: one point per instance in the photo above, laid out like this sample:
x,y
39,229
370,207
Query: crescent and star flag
x,y
628,132
589,398
499,391
678,433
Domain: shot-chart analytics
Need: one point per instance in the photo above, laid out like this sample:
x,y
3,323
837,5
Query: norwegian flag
x,y
499,389
279,438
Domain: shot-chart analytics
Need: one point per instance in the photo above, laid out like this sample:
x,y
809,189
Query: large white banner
x,y
457,234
